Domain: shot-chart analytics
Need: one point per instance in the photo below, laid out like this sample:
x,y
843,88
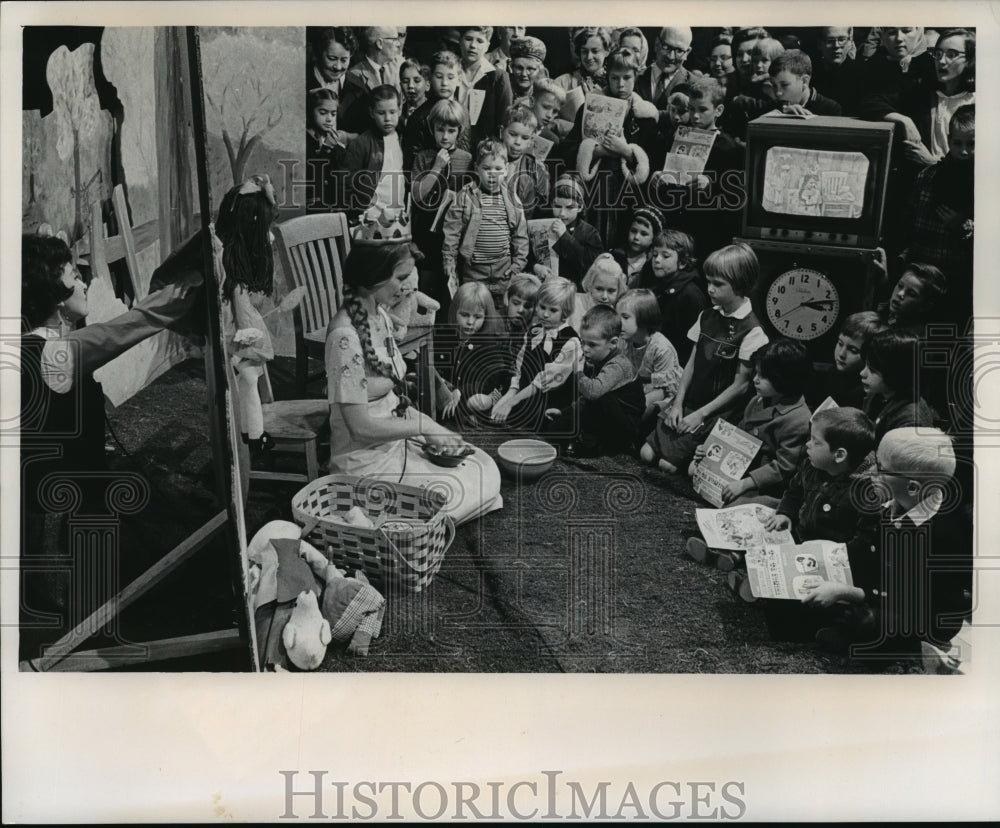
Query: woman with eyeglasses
x,y
919,92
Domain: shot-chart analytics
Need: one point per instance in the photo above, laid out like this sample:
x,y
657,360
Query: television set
x,y
817,181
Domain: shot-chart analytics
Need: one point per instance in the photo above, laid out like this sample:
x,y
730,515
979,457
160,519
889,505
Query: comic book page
x,y
603,115
538,238
728,454
814,182
739,527
541,147
791,571
689,152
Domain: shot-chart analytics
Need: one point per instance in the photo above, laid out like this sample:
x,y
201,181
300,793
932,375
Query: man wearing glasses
x,y
378,66
837,74
657,82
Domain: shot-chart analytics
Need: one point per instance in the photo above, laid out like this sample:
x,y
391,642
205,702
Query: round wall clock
x,y
802,303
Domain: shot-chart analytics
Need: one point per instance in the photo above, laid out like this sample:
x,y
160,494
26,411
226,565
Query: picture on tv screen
x,y
814,182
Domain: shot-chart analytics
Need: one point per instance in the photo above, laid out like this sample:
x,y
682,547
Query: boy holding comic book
x,y
821,502
912,569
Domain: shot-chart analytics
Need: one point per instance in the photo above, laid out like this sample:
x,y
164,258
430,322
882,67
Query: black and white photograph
x,y
324,375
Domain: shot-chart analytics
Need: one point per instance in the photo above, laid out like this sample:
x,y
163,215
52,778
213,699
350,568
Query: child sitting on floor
x,y
912,574
778,417
672,275
649,351
717,373
469,355
916,300
542,385
519,310
610,403
893,398
843,383
602,285
821,501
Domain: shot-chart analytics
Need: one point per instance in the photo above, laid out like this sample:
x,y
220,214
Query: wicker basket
x,y
408,549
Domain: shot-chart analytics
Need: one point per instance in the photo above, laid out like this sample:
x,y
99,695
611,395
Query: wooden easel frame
x,y
222,437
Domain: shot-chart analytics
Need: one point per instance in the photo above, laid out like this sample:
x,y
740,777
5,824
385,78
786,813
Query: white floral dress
x,y
472,489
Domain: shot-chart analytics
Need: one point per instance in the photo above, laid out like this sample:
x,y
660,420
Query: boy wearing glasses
x,y
837,72
913,572
667,73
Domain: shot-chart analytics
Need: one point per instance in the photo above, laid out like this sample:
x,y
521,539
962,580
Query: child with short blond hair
x,y
542,383
485,232
602,285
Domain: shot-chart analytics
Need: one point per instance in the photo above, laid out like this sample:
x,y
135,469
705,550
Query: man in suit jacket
x,y
667,73
381,50
376,68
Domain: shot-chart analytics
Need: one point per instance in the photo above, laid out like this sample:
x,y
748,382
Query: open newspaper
x,y
603,115
689,152
728,454
791,571
739,527
538,238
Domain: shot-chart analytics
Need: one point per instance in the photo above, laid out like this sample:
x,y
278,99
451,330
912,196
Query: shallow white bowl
x,y
526,458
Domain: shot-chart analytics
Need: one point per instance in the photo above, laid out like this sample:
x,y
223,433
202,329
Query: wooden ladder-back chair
x,y
295,425
105,250
312,250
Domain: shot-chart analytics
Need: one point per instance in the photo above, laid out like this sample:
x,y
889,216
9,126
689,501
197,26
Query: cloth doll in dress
x,y
243,227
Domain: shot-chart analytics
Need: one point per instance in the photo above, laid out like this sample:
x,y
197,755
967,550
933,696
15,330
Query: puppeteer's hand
x,y
444,440
777,523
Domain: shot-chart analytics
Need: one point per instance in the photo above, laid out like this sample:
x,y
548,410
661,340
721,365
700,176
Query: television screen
x,y
814,182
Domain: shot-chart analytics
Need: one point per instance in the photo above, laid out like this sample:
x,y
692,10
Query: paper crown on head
x,y
381,224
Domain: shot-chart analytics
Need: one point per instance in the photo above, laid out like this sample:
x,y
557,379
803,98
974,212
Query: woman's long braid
x,y
359,319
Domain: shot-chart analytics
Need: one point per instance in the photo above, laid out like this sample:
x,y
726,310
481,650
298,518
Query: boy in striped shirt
x,y
485,231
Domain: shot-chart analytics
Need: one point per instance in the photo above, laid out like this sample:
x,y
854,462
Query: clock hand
x,y
818,304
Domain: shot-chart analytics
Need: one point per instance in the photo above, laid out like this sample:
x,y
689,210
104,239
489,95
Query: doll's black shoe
x,y
263,443
739,585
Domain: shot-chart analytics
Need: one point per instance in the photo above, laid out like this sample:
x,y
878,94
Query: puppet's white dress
x,y
472,489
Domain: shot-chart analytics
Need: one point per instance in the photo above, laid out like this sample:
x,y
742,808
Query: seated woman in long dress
x,y
370,418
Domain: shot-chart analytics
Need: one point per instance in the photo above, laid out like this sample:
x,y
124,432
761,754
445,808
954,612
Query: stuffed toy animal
x,y
302,602
413,308
353,608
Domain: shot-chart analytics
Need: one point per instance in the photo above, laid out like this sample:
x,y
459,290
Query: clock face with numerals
x,y
802,303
